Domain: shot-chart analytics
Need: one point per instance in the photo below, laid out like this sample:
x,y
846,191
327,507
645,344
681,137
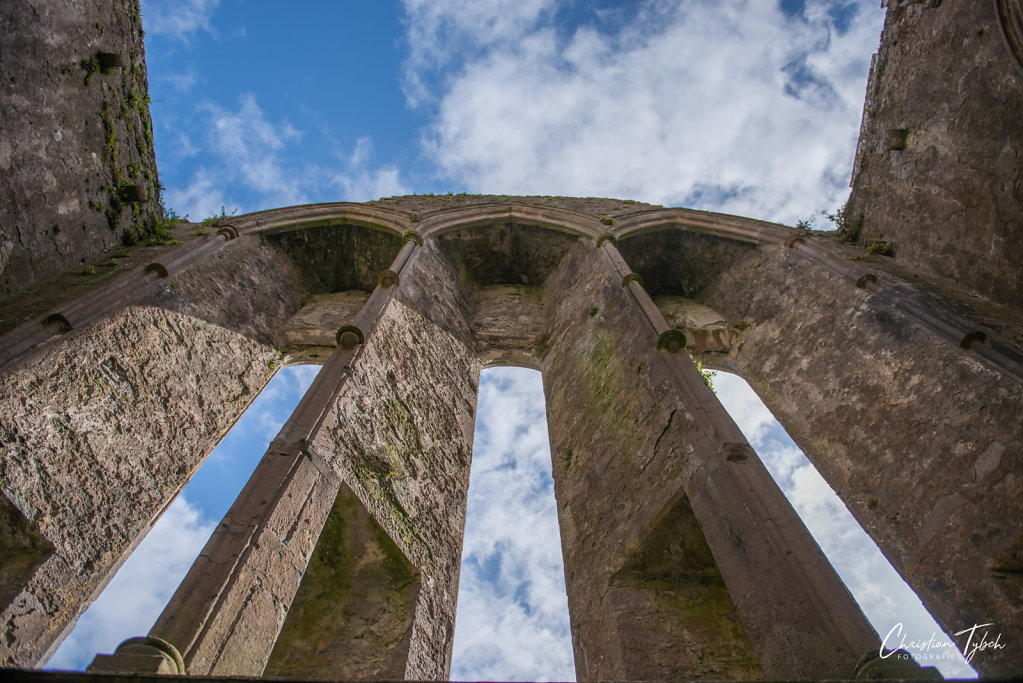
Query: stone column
x,y
645,460
403,441
226,614
914,426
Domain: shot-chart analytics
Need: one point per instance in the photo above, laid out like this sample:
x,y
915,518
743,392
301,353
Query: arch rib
x,y
721,225
315,215
562,220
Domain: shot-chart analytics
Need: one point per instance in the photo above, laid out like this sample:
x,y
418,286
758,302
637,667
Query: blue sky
x,y
747,107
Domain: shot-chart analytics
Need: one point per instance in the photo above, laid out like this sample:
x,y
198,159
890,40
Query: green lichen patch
x,y
599,362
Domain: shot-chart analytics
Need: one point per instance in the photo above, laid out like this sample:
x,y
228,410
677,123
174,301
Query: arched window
x,y
882,595
512,621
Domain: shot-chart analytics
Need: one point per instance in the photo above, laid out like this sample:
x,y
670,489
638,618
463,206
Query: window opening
x,y
142,587
512,619
886,600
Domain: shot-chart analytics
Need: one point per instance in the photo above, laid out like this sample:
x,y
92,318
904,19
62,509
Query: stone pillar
x,y
402,441
225,616
391,415
227,612
641,447
873,393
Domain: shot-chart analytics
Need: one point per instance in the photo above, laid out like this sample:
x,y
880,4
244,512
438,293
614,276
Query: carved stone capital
x,y
350,336
632,277
671,341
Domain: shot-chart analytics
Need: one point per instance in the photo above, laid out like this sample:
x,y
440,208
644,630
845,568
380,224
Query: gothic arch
x,y
397,390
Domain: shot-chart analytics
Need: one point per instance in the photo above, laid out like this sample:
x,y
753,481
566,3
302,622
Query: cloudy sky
x,y
748,107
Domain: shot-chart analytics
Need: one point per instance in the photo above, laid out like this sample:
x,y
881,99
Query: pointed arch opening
x,y
890,605
512,621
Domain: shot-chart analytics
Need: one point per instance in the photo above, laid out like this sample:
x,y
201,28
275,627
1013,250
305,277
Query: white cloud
x,y
512,606
240,156
365,184
182,81
735,107
443,32
139,591
201,198
359,183
249,145
178,18
248,162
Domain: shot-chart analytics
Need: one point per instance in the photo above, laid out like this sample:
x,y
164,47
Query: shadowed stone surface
x,y
352,616
506,254
672,262
71,134
339,257
872,397
669,592
23,549
952,198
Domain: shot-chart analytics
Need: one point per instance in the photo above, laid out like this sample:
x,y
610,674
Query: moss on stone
x,y
340,257
352,616
675,572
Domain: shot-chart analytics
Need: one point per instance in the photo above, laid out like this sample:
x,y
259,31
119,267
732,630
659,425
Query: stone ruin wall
x,y
902,387
74,103
140,400
939,164
785,308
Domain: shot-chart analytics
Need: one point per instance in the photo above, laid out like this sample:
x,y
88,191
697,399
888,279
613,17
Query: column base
x,y
143,655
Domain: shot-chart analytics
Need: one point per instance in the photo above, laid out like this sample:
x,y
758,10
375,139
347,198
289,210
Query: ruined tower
x,y
900,377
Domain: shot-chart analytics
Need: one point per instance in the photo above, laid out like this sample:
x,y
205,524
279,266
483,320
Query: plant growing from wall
x,y
848,225
160,229
708,376
881,248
